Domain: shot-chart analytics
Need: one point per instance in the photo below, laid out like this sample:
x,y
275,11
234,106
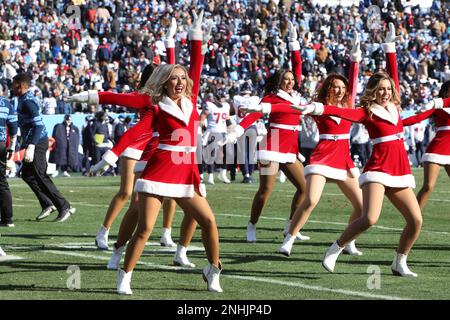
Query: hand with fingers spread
x,y
355,54
389,41
195,31
170,34
206,37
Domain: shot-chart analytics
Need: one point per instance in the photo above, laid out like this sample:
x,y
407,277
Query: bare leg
x,y
169,206
295,173
430,175
373,194
149,206
313,191
198,208
350,188
405,202
187,230
266,183
126,188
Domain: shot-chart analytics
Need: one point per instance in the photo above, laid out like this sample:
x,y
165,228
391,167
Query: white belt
x,y
285,126
392,137
443,128
334,136
169,147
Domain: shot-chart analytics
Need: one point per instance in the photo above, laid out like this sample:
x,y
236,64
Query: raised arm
x,y
170,42
355,58
195,69
391,55
296,58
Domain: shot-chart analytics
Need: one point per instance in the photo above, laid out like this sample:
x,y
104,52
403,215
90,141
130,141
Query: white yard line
x,y
246,278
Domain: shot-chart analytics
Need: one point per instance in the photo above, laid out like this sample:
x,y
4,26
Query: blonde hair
x,y
369,96
156,85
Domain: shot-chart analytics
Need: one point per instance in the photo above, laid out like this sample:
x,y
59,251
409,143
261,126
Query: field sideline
x,y
41,252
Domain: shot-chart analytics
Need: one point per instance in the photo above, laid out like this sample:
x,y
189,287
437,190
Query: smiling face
x,y
384,93
338,90
287,82
176,85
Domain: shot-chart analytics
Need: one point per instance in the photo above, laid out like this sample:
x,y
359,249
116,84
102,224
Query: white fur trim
x,y
387,179
330,172
140,166
183,114
389,114
132,153
239,131
294,45
389,47
335,119
439,103
172,190
295,98
318,108
110,157
356,56
195,35
266,155
436,158
93,97
301,157
170,43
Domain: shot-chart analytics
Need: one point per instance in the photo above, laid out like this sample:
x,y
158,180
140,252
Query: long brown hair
x,y
369,95
323,94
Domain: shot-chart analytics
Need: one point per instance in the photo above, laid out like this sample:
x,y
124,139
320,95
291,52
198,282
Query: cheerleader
x,y
281,150
330,159
387,171
437,153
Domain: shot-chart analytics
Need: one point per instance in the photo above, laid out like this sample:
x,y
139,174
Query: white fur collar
x,y
389,114
295,98
335,119
446,110
183,113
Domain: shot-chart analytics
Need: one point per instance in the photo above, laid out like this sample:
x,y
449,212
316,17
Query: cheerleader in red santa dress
x,y
281,150
138,143
386,173
330,160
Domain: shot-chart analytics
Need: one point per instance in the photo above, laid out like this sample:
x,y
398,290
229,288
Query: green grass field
x,y
251,271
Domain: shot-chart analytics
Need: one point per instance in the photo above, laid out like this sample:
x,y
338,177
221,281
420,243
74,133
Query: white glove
x,y
170,41
231,137
355,54
314,108
389,41
433,104
89,97
29,153
206,37
262,107
195,32
9,166
100,167
292,32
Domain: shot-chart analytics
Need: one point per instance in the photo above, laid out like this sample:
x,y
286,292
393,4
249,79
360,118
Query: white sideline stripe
x,y
256,279
9,258
324,222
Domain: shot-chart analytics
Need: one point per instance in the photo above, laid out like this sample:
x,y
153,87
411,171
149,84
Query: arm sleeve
x,y
170,52
296,60
133,100
392,69
11,121
283,108
37,123
354,115
195,68
417,118
139,132
353,81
